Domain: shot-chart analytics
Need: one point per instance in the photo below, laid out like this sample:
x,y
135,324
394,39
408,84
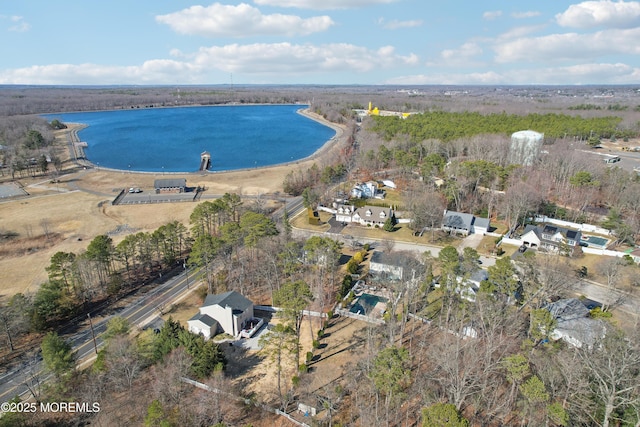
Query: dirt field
x,y
78,208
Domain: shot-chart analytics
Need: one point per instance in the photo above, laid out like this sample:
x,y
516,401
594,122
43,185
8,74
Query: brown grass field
x,y
78,208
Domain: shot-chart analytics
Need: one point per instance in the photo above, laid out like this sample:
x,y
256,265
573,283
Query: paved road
x,y
138,313
599,292
593,290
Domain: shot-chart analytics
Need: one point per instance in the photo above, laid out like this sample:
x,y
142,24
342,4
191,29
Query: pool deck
x,y
376,311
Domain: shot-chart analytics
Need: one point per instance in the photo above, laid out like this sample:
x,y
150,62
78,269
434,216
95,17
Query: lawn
x,y
404,234
487,244
302,221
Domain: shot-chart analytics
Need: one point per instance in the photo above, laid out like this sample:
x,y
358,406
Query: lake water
x,y
172,139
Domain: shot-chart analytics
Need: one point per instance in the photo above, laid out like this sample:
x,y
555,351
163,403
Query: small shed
x,y
176,185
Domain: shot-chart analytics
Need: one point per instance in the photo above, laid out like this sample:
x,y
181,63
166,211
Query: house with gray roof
x,y
390,265
401,265
573,324
366,215
551,237
464,223
229,312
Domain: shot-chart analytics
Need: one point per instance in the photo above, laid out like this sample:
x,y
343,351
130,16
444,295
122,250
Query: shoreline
x,y
83,161
248,181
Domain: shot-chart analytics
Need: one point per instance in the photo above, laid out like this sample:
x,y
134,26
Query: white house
x,y
366,215
229,311
468,287
551,237
372,215
344,213
367,190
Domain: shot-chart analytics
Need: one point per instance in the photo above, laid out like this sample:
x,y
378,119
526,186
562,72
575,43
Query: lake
x,y
172,139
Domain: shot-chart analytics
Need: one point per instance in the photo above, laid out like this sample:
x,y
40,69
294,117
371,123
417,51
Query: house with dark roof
x,y
230,312
573,323
551,237
464,223
390,265
175,185
401,265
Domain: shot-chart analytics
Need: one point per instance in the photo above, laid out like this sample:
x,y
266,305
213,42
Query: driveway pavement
x,y
471,241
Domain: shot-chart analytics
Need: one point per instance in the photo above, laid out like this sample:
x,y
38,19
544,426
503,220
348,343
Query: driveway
x,y
471,241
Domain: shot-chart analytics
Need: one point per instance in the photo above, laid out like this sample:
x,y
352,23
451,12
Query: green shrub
x,y
352,266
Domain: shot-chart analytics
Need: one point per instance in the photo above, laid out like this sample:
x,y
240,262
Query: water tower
x,y
525,147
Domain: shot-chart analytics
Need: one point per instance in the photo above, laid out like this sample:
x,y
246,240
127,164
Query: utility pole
x,y
93,334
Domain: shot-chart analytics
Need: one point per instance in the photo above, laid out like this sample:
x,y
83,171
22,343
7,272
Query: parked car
x,y
522,248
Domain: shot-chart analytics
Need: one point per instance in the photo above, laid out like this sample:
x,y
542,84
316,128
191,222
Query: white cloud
x,y
292,59
395,24
574,75
242,20
323,4
154,71
18,24
492,15
522,15
556,47
607,14
588,73
464,56
487,78
269,61
517,32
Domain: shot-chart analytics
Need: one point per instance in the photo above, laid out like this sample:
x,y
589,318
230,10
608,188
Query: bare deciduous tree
x,y
612,366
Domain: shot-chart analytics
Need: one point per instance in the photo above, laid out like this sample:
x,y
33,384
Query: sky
x,y
333,42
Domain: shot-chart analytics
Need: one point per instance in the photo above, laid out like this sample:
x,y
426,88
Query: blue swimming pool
x,y
600,242
366,303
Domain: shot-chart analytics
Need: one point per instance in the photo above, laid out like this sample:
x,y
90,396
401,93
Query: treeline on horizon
x,y
23,100
449,126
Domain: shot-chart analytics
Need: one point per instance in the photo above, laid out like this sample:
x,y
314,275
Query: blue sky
x,y
467,42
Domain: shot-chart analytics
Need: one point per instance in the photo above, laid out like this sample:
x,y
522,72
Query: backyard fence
x,y
347,313
244,400
582,227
